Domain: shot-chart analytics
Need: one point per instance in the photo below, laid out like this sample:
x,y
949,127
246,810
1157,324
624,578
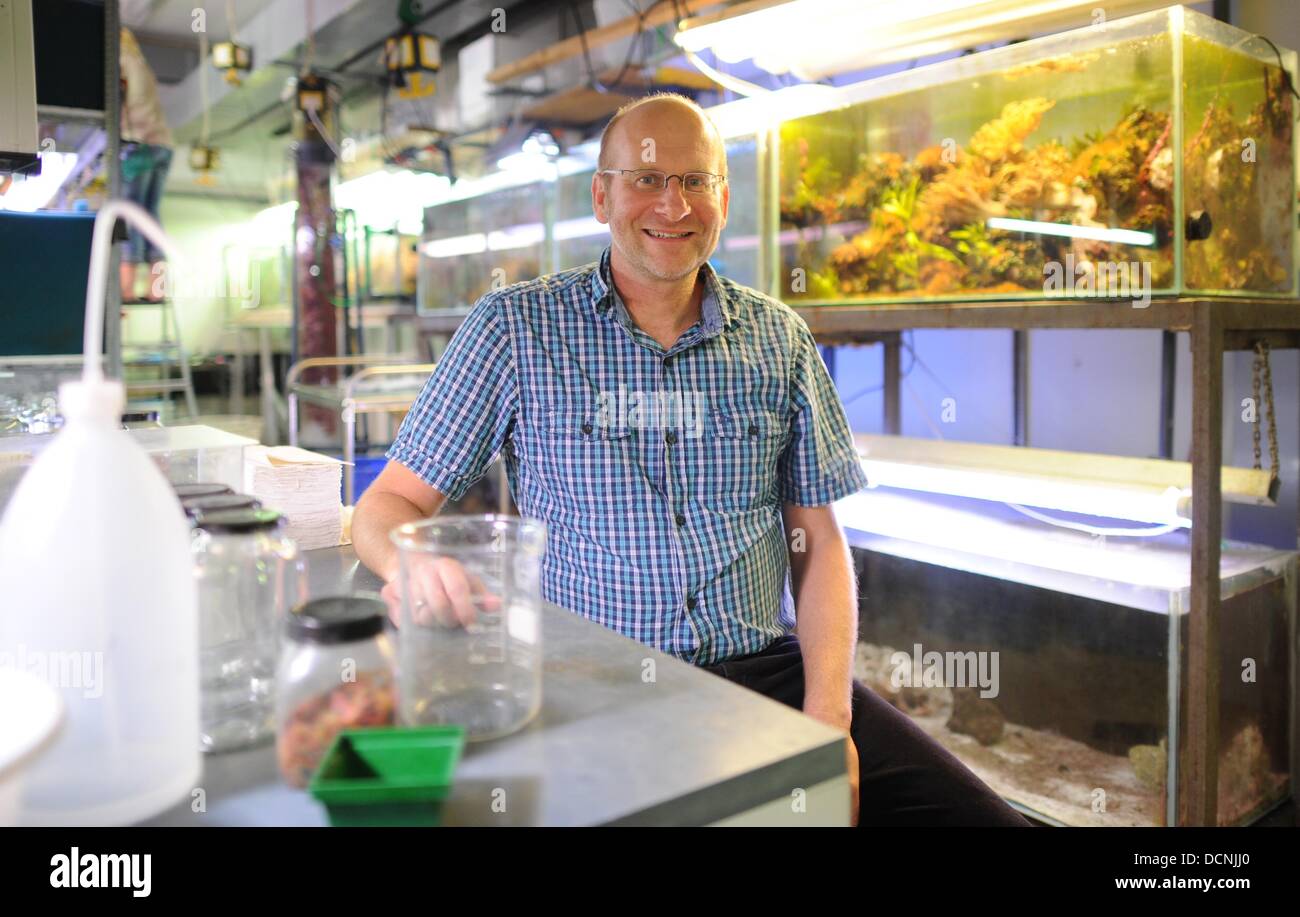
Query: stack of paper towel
x,y
302,485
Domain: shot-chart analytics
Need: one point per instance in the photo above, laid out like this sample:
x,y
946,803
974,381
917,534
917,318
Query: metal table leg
x,y
270,424
1199,786
293,418
349,416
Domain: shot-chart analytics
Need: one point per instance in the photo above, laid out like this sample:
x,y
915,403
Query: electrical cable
x,y
324,135
586,51
1151,532
206,125
309,48
880,387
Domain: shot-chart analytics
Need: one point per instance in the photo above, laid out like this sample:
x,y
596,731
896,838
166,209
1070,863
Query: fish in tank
x,y
1162,141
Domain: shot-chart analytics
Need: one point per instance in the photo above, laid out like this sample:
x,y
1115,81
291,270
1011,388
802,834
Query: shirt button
x,y
586,429
690,604
670,437
753,429
680,519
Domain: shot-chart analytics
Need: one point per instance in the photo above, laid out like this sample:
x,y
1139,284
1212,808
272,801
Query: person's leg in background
x,y
906,778
144,171
162,162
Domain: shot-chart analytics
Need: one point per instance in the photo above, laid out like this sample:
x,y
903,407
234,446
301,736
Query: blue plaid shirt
x,y
660,475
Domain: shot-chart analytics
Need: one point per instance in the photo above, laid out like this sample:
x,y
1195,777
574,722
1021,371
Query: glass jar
x,y
196,508
336,672
482,668
248,574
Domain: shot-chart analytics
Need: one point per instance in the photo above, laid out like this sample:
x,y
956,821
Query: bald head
x,y
666,119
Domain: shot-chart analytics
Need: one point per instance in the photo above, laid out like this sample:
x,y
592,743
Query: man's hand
x,y
443,593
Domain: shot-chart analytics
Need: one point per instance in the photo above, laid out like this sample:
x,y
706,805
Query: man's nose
x,y
673,203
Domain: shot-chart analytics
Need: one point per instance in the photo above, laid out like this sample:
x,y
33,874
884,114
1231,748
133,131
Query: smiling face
x,y
661,236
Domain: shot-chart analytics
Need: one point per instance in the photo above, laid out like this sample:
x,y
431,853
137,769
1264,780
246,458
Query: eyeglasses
x,y
652,181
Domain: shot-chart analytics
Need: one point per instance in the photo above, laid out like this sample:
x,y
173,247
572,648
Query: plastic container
x,y
94,557
184,454
388,777
249,574
364,471
486,675
30,715
95,565
335,673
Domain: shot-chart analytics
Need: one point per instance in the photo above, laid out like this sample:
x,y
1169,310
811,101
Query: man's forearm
x,y
826,608
375,517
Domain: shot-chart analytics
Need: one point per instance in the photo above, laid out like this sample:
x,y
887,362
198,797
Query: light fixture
x,y
232,59
272,227
315,96
385,199
524,147
1074,231
411,59
455,246
204,158
814,39
35,190
1155,491
746,116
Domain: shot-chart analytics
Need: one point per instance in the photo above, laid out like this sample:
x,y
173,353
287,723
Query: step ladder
x,y
166,354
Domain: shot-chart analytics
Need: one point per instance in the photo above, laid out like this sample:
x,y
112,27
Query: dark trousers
x,y
906,778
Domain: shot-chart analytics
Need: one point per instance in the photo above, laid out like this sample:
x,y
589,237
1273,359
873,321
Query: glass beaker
x,y
248,575
474,660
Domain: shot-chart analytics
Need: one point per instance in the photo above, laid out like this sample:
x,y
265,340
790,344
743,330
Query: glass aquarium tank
x,y
1153,153
579,237
473,244
1053,663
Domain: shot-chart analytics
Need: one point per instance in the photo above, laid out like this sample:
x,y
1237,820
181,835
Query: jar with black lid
x,y
336,672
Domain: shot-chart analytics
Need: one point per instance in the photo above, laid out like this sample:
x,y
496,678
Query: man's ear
x,y
598,199
726,202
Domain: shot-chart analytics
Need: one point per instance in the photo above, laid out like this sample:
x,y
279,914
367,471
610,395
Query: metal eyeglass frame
x,y
717,180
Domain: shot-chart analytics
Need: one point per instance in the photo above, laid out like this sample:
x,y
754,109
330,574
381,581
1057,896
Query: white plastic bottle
x,y
97,594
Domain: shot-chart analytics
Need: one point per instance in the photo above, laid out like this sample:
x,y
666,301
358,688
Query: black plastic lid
x,y
337,619
237,520
187,491
196,507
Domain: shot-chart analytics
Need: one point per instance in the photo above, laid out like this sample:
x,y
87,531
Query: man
x,y
673,521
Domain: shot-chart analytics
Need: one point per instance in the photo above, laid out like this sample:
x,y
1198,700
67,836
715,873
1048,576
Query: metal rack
x,y
349,399
1216,325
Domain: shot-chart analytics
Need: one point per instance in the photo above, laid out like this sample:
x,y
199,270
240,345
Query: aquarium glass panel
x,y
1048,168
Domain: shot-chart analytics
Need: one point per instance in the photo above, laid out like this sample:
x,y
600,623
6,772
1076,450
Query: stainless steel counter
x,y
607,748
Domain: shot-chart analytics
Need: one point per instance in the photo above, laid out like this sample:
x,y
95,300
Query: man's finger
x,y
433,605
456,582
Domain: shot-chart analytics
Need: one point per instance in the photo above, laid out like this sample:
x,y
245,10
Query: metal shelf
x,y
1216,324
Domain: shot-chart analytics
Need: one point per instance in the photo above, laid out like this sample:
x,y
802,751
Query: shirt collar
x,y
715,310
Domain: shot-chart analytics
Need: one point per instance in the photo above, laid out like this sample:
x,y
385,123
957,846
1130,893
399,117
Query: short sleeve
x,y
820,463
464,414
